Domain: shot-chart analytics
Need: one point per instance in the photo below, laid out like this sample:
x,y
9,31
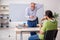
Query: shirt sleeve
x,y
38,6
44,26
26,13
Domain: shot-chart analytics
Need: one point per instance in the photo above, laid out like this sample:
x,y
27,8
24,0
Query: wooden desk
x,y
26,30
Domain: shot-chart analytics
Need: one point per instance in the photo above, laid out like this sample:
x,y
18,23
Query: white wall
x,y
53,5
48,4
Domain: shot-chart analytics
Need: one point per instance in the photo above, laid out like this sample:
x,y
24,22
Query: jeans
x,y
34,37
32,24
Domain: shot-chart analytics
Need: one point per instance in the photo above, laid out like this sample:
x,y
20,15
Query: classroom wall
x,y
49,4
53,5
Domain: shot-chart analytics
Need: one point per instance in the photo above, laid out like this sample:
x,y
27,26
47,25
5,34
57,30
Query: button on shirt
x,y
29,12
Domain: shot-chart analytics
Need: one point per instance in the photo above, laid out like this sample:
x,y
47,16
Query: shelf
x,y
4,15
4,18
4,10
4,6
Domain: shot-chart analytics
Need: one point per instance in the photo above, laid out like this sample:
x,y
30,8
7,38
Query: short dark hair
x,y
49,14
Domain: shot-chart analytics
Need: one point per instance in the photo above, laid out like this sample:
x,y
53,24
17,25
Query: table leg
x,y
16,35
21,36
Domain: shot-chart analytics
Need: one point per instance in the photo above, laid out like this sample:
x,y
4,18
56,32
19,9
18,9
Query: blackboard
x,y
17,12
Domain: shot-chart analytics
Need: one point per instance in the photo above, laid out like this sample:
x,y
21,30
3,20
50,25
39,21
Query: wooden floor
x,y
10,34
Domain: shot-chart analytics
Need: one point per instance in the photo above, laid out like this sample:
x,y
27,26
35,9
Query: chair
x,y
56,31
50,35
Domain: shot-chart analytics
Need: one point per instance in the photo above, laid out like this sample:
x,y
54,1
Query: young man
x,y
49,24
31,11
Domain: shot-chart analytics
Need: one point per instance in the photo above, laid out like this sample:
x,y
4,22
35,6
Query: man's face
x,y
32,6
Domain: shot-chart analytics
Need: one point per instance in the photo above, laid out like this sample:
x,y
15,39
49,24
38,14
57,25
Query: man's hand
x,y
31,17
41,32
40,25
45,18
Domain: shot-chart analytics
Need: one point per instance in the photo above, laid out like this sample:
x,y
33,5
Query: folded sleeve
x,y
38,6
26,13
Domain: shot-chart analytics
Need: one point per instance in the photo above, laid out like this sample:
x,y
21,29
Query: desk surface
x,y
29,29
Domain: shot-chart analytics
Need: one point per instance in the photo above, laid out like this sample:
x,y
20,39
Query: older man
x,y
31,11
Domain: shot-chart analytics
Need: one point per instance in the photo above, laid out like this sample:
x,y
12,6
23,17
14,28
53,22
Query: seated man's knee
x,y
30,38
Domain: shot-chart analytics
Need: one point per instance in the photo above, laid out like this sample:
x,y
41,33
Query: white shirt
x,y
29,12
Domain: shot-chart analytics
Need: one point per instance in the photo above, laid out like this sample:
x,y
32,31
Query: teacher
x,y
32,19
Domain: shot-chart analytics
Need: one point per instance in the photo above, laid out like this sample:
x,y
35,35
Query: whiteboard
x,y
17,12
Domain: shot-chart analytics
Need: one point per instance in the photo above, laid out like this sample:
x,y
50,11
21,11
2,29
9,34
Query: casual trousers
x,y
34,37
32,24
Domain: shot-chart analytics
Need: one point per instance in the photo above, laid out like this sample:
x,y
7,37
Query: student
x,y
32,19
49,24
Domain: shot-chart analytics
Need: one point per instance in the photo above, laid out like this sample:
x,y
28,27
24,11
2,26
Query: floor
x,y
10,34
